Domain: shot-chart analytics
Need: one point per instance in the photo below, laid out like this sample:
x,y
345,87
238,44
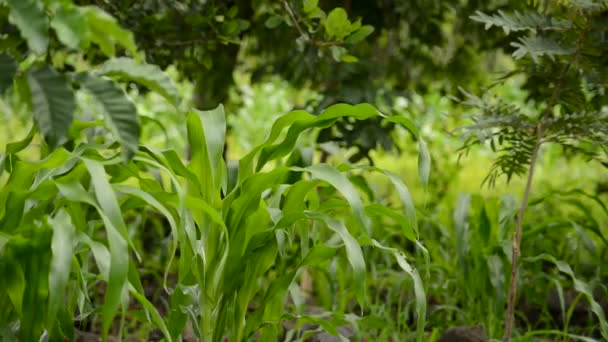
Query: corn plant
x,y
68,209
72,246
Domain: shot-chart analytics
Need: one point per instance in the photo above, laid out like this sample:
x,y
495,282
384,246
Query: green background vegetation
x,y
302,170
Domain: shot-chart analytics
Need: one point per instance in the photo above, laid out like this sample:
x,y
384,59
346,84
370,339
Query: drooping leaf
x,y
29,17
344,186
8,69
147,75
18,146
118,239
419,291
61,262
53,103
353,251
120,112
70,25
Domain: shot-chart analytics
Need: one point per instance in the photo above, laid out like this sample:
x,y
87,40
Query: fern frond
x,y
537,46
521,22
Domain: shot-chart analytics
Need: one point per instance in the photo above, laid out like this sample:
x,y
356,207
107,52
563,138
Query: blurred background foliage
x,y
264,58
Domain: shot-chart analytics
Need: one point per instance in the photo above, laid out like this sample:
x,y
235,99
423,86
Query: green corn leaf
x,y
148,75
61,262
405,122
325,119
206,137
353,252
8,70
120,112
382,211
581,287
299,121
29,17
344,186
156,317
411,223
106,32
419,291
117,237
53,103
424,163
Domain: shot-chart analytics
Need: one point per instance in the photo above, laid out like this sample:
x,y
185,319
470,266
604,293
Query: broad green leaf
x,y
382,211
344,186
148,75
411,222
8,69
353,251
153,202
318,254
30,18
14,284
156,317
120,112
117,236
61,262
406,201
107,32
424,163
360,34
337,24
70,25
53,103
419,292
298,121
206,137
405,122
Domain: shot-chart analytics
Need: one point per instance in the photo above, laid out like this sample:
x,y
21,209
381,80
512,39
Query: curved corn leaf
x,y
424,163
296,122
61,262
353,251
53,103
148,75
120,112
419,291
581,287
118,239
8,69
344,186
206,137
29,17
